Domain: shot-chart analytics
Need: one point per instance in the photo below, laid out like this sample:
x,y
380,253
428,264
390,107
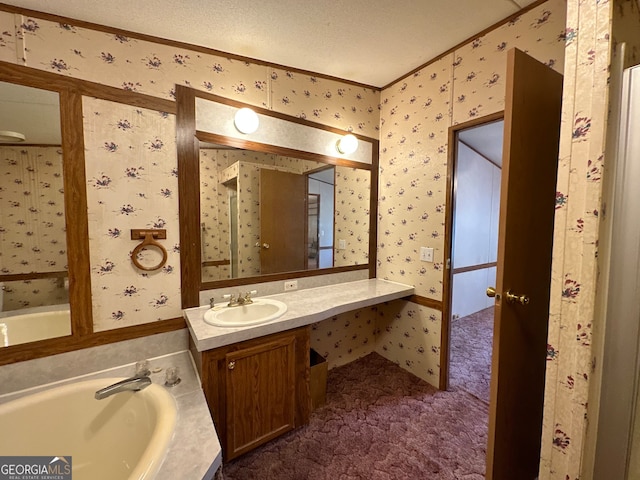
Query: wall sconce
x,y
246,120
7,136
347,144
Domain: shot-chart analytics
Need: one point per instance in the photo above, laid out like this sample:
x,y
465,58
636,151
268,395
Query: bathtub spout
x,y
132,384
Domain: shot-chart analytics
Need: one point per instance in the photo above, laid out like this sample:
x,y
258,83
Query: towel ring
x,y
148,237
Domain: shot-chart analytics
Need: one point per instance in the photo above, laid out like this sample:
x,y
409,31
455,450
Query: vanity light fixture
x,y
246,120
7,136
347,144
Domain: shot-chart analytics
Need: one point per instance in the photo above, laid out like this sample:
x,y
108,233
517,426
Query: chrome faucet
x,y
133,384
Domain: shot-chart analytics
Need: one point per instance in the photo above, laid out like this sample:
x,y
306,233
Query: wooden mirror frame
x,y
71,91
188,138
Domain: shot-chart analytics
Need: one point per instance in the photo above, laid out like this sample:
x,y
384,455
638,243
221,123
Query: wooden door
x,y
260,397
527,202
283,214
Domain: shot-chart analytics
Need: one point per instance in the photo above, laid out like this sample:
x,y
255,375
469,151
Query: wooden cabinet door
x,y
257,389
260,394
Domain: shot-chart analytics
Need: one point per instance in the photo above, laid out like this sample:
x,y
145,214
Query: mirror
x,y
264,213
34,286
280,202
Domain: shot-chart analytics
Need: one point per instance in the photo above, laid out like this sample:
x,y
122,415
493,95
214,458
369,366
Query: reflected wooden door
x,y
283,221
527,202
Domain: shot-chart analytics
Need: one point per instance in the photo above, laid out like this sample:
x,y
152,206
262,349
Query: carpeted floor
x,y
470,350
379,422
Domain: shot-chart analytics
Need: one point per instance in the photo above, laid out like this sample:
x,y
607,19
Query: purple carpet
x,y
470,347
379,422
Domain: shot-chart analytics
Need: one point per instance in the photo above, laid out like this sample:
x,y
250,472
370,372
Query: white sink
x,y
262,310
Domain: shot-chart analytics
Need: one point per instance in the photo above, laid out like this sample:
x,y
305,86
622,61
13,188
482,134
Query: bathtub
x,y
124,436
31,324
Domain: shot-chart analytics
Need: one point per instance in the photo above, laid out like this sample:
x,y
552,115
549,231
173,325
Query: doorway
x,y
477,168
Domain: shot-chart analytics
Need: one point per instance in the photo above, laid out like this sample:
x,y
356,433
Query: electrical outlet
x,y
290,285
342,244
426,254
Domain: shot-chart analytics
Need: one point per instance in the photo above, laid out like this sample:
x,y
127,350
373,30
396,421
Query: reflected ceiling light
x,y
347,144
246,120
7,136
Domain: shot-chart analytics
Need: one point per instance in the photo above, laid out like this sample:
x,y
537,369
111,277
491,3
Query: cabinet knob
x,y
232,365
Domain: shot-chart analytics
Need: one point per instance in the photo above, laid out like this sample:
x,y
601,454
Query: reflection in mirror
x,y
34,289
263,213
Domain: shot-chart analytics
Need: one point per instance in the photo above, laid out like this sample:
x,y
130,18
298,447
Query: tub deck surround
x,y
304,307
194,451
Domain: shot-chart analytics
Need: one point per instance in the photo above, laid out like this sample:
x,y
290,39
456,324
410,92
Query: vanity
x,y
256,377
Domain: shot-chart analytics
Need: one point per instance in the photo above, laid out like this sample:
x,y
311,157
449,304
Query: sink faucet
x,y
241,300
132,384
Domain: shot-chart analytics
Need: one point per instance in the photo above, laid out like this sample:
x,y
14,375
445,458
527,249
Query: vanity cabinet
x,y
258,389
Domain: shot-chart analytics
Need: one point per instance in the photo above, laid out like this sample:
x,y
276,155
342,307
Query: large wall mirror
x,y
34,282
279,203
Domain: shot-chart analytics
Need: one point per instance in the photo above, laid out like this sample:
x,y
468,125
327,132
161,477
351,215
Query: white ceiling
x,y
485,139
373,42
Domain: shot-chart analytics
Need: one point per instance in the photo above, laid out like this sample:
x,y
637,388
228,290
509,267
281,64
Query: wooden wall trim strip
x,y
426,302
172,43
472,268
47,80
216,263
54,346
522,11
18,277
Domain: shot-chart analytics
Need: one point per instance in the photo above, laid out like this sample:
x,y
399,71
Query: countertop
x,y
304,307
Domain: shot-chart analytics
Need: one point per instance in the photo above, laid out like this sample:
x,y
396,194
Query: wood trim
x,y
18,277
425,302
276,150
54,346
473,268
188,197
216,263
479,154
373,210
34,77
75,205
445,331
520,12
172,43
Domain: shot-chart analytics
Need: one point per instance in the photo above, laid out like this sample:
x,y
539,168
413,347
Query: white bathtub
x,y
31,324
124,436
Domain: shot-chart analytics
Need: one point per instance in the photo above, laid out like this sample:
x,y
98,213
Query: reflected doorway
x,y
476,206
320,222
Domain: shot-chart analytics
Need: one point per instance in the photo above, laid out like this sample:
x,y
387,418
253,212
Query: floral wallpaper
x,y
416,113
126,199
32,224
131,171
572,357
352,194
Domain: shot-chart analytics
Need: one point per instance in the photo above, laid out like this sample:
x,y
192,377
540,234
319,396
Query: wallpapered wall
x,y
131,157
593,28
415,116
32,225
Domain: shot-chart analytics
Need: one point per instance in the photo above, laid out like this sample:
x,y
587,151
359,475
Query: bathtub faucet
x,y
132,384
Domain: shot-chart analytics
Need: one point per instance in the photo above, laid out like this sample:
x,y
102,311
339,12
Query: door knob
x,y
513,298
232,365
491,292
265,245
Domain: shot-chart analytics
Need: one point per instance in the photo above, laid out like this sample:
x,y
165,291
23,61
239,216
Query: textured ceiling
x,y
373,42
